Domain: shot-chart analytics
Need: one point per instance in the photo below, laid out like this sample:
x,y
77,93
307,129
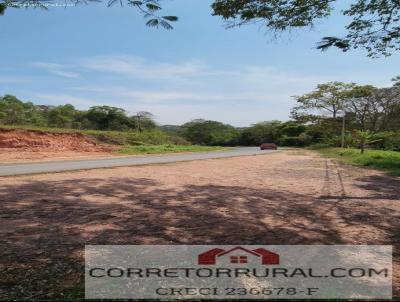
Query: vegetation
x,y
166,149
365,138
210,133
373,24
388,161
351,115
16,112
149,9
334,114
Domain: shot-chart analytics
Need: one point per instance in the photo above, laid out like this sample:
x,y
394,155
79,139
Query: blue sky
x,y
93,55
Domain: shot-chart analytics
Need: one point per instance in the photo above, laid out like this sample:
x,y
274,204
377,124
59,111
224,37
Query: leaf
x,y
2,8
171,18
152,23
166,25
152,7
327,42
136,3
111,2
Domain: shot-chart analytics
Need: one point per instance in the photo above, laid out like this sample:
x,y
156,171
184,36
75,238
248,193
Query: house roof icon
x,y
210,257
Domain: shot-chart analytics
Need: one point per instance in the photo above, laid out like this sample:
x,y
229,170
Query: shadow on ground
x,y
45,225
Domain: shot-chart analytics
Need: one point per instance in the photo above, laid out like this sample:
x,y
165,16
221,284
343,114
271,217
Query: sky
x,y
93,55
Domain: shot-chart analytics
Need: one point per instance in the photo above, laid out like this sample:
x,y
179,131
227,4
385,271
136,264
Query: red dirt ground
x,y
280,198
26,145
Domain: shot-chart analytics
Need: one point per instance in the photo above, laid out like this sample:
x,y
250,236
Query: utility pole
x,y
343,128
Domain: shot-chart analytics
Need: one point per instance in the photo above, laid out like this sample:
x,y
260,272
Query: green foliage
x,y
155,137
15,112
264,132
278,15
131,137
388,161
373,23
62,116
168,148
365,138
387,141
107,118
368,111
149,9
328,98
210,133
2,8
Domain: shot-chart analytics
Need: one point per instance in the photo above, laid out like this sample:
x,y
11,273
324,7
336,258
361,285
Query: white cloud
x,y
16,80
62,99
239,96
57,69
142,68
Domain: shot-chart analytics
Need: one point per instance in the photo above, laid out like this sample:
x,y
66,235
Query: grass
x,y
388,161
131,142
167,148
130,137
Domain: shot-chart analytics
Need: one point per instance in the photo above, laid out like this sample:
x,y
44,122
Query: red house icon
x,y
210,257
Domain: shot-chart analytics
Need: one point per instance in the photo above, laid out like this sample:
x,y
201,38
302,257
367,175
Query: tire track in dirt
x,y
333,192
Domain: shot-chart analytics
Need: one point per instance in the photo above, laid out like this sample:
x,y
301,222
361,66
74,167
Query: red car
x,y
268,146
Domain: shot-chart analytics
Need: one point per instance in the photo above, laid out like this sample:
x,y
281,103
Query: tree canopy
x,y
149,8
374,24
16,112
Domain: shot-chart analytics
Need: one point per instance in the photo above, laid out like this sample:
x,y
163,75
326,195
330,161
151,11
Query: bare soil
x,y
17,145
280,198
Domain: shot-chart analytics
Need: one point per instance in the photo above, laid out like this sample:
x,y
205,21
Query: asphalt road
x,y
71,165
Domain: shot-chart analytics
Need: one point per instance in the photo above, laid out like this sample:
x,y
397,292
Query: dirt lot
x,y
10,155
281,198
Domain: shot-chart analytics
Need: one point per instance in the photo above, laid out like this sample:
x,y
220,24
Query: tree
x,y
365,138
148,8
210,133
350,100
12,110
142,120
374,24
388,102
107,118
263,132
325,99
361,103
62,116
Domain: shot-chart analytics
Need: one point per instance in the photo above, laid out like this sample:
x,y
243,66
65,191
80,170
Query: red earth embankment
x,y
21,144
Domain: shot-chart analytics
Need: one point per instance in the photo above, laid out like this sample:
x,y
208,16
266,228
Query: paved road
x,y
70,165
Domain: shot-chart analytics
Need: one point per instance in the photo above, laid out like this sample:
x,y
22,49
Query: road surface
x,y
71,165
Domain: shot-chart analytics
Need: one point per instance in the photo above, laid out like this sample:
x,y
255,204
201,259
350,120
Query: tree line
x,y
213,133
16,112
333,114
352,115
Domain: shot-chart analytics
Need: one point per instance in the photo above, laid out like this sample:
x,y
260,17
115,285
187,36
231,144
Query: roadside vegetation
x,y
129,137
148,149
388,161
334,114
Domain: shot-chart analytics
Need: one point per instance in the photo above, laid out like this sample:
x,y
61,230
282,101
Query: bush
x,y
296,141
387,141
385,160
320,146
